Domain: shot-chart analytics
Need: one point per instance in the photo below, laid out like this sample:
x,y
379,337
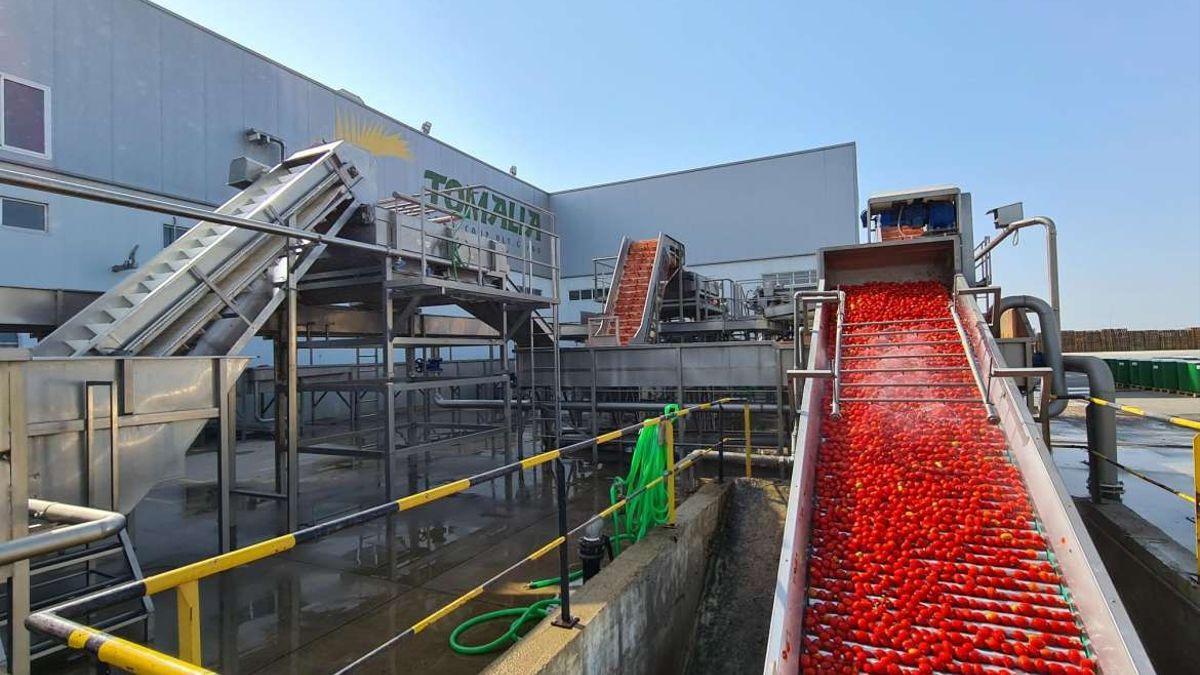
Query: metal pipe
x,y
835,407
60,187
612,406
1103,483
1051,342
85,525
756,459
1051,251
966,345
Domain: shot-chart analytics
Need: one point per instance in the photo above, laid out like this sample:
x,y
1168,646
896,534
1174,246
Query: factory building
x,y
295,381
131,97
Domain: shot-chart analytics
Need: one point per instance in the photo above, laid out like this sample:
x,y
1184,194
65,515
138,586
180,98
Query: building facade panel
x,y
143,100
794,203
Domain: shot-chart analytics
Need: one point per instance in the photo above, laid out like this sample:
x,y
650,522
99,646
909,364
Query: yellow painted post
x,y
1196,487
187,598
746,425
670,433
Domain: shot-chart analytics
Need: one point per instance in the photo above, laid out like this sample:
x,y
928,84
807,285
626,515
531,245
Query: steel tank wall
x,y
793,203
144,99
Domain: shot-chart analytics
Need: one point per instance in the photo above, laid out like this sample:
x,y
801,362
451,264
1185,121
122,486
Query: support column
x,y
18,520
507,370
226,395
293,413
557,375
280,405
388,409
595,421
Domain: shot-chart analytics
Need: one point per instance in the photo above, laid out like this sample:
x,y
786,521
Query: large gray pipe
x,y
85,525
611,406
1103,482
1051,342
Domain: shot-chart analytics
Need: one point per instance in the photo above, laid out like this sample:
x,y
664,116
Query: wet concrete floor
x,y
1159,450
322,604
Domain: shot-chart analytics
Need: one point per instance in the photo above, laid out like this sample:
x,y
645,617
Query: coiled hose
x,y
646,510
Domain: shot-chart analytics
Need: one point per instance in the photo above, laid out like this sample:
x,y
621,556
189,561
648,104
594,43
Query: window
x,y
581,294
9,340
572,295
22,214
797,279
25,124
171,232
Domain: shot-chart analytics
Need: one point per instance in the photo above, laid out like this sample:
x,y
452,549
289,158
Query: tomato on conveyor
x,y
925,552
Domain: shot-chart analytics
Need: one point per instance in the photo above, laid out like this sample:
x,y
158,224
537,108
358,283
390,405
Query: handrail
x,y
138,658
463,599
1141,412
1182,422
85,526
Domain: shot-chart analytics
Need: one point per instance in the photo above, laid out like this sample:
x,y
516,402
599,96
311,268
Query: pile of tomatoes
x,y
924,554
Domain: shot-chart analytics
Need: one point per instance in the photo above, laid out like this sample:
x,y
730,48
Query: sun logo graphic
x,y
372,137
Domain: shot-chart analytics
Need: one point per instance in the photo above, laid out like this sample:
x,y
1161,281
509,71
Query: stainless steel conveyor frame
x,y
1117,647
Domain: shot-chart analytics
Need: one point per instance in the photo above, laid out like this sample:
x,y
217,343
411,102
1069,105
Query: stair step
x,y
177,264
99,328
155,280
78,346
134,298
118,313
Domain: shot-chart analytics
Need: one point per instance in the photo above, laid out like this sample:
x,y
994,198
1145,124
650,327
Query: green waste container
x,y
1122,372
1141,373
1189,375
1164,374
1112,367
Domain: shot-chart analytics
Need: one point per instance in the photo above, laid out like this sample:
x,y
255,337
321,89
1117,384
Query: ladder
x,y
210,291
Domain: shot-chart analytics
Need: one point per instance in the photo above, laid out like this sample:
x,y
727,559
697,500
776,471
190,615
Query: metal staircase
x,y
211,290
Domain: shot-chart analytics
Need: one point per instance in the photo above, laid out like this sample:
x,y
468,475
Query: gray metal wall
x,y
145,99
786,204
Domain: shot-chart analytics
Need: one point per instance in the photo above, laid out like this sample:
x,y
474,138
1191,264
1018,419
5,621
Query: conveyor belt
x,y
925,553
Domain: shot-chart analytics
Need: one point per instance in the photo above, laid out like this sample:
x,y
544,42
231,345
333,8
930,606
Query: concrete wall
x,y
638,614
1152,574
792,203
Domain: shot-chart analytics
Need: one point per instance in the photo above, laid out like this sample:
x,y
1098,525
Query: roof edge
x,y
823,148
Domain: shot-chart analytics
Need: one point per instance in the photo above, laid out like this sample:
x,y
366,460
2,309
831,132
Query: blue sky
x,y
1088,112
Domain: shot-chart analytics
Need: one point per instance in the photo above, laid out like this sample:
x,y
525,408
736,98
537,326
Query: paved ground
x,y
1159,450
322,604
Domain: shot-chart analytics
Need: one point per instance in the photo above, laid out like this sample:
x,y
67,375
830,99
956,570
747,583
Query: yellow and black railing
x,y
134,657
1181,422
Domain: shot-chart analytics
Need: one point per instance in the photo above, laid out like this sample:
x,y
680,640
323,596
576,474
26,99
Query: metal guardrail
x,y
1181,422
134,657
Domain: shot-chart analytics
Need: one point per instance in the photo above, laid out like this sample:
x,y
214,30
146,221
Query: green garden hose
x,y
553,581
645,510
531,614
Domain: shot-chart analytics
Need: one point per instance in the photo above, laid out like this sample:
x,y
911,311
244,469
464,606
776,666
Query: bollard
x,y
564,620
720,443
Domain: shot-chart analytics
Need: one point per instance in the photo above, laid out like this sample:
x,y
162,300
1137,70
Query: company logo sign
x,y
371,136
483,207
